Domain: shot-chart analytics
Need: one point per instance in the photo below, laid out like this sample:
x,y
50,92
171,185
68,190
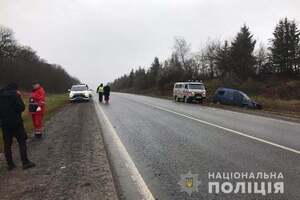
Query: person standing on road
x,y
100,91
106,92
11,108
37,108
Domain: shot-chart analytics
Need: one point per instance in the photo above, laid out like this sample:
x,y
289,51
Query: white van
x,y
189,91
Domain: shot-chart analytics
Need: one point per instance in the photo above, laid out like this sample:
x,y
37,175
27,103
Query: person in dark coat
x,y
106,92
11,108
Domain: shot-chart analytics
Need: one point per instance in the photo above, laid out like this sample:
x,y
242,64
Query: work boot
x,y
28,165
11,166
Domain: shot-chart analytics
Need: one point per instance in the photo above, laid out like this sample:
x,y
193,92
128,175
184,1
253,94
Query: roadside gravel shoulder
x,y
71,161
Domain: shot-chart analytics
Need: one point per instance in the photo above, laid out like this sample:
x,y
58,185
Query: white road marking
x,y
224,128
128,165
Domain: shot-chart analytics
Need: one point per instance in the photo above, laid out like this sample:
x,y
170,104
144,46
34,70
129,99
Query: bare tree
x,y
263,65
7,41
211,50
182,49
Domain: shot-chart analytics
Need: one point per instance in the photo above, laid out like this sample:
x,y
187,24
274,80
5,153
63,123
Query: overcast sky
x,y
99,40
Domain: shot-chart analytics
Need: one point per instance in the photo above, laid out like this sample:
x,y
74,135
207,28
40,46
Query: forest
x,y
21,64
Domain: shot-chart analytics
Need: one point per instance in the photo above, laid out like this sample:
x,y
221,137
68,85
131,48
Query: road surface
x,y
166,139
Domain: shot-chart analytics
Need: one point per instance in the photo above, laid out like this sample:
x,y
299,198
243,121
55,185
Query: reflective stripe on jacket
x,y
100,89
38,97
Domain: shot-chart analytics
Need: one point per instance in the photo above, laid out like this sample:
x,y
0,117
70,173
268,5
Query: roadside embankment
x,y
71,160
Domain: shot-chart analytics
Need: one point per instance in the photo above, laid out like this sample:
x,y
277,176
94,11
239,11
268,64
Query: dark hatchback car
x,y
229,96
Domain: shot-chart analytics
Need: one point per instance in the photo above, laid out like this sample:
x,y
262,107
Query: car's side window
x,y
221,93
229,95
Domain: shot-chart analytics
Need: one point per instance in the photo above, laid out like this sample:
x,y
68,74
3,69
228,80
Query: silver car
x,y
189,91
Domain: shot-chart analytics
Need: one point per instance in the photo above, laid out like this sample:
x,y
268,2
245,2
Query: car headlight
x,y
71,95
86,94
193,93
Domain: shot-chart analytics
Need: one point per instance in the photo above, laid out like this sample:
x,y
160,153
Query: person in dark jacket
x,y
11,108
106,93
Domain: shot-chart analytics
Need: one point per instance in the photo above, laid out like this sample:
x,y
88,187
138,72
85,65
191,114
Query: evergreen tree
x,y
153,73
223,62
285,48
241,54
131,78
139,82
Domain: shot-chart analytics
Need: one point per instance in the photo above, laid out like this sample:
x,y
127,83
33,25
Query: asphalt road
x,y
166,139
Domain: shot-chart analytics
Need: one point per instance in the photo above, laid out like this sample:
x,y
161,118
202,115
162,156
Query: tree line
x,y
231,61
22,65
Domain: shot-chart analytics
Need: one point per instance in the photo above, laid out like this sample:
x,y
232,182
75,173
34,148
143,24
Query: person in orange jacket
x,y
37,108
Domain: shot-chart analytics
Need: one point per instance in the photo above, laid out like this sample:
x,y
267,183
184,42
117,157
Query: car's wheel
x,y
245,106
259,107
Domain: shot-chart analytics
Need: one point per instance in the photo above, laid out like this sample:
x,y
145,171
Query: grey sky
x,y
99,40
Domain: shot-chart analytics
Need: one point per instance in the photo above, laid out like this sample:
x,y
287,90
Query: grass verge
x,y
278,96
53,103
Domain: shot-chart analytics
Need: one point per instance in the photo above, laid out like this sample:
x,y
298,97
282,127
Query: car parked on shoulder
x,y
189,91
79,93
234,97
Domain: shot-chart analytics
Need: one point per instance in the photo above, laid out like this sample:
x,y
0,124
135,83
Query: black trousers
x,y
106,97
20,134
100,96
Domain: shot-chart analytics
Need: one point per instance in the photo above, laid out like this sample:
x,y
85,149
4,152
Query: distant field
x,y
53,103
